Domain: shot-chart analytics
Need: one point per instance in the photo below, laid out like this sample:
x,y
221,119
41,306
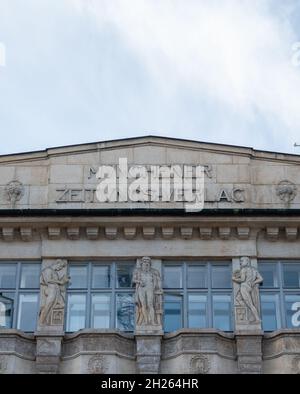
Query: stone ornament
x,y
286,191
97,365
14,192
200,365
53,283
247,296
148,295
47,346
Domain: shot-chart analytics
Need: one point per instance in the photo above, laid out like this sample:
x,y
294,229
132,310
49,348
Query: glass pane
x,y
124,274
173,313
6,310
8,275
291,275
100,310
78,276
27,313
221,277
197,311
101,276
173,277
269,274
292,310
125,312
76,312
269,311
30,277
222,312
197,276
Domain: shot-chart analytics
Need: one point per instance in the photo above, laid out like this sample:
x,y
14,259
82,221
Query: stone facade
x,y
49,212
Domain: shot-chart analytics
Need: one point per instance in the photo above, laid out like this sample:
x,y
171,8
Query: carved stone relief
x,y
53,282
247,305
97,365
286,191
47,347
200,364
14,192
148,295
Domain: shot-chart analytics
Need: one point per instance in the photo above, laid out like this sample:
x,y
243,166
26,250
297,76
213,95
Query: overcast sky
x,y
87,70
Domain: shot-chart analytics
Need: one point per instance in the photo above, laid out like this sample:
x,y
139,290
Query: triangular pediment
x,y
65,177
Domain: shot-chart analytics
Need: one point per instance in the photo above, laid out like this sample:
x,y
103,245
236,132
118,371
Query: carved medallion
x,y
286,191
200,365
14,192
97,365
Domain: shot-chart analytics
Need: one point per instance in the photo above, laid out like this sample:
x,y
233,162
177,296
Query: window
x,y
280,294
100,295
19,295
197,295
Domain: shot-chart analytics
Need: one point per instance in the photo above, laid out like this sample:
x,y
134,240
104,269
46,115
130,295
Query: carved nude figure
x,y
248,278
148,293
52,290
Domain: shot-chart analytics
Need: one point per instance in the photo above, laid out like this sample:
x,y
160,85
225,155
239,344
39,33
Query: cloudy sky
x,y
87,70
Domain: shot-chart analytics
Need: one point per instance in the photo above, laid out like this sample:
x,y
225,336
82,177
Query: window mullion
x,y
113,301
88,301
185,296
282,315
209,297
17,292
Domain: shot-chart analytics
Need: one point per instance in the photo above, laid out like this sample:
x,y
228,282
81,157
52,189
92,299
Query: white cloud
x,y
235,52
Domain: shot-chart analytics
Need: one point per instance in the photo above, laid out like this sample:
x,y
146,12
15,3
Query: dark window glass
x,y
125,311
27,313
78,276
124,274
291,275
197,310
269,311
197,277
221,277
8,276
173,277
101,277
269,274
292,310
76,312
173,312
30,276
6,310
222,312
100,310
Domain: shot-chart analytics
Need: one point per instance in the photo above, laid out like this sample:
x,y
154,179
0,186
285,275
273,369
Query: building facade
x,y
143,284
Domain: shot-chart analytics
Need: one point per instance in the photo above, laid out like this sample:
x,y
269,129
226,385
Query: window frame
x,y
280,290
209,291
89,291
18,290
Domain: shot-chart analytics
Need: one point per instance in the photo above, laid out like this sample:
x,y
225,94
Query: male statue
x,y
148,295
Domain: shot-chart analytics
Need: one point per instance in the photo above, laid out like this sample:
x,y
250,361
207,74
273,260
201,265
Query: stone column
x,y
50,330
248,327
148,315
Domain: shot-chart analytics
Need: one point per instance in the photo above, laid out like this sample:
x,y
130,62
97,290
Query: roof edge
x,y
154,139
